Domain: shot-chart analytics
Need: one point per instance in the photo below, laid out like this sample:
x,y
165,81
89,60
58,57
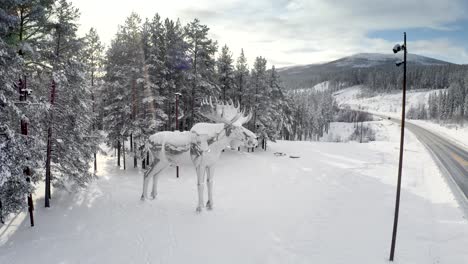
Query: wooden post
x,y
400,163
30,200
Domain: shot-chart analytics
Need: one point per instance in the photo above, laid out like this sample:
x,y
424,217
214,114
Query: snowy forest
x,y
62,95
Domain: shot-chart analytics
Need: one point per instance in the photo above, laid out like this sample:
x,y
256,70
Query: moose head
x,y
232,117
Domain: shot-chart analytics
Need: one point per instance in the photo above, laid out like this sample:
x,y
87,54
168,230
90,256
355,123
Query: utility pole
x,y
177,122
396,49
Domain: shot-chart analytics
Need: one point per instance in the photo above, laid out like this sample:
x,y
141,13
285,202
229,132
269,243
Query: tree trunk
x,y
95,163
131,142
118,153
123,152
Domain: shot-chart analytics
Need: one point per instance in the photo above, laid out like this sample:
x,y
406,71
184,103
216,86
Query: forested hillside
x,y
379,74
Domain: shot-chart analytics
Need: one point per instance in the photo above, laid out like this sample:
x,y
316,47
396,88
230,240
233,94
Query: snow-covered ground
x,y
342,131
390,105
320,87
334,204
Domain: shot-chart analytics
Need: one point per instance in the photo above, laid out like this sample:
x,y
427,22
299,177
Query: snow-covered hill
x,y
332,205
366,60
302,76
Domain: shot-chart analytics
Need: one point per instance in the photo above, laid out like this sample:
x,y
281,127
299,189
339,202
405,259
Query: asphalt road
x,y
451,158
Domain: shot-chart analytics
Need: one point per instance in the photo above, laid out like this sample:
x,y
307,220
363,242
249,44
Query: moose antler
x,y
223,112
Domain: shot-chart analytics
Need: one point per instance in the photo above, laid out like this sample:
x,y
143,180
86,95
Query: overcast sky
x,y
289,32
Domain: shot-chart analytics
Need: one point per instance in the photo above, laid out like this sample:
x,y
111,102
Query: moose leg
x,y
209,183
146,178
201,181
161,166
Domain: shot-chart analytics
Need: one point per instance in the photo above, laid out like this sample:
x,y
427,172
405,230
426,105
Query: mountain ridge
x,y
301,76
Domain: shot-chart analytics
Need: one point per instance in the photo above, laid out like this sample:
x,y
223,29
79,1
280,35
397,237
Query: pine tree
x,y
18,153
201,74
93,59
70,138
225,71
258,87
242,77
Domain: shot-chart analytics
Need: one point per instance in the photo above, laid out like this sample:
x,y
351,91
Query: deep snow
x,y
334,204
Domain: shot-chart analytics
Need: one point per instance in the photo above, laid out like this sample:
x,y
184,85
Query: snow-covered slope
x,y
320,87
390,105
332,205
385,103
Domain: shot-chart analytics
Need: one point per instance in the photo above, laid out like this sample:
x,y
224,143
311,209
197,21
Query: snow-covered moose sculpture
x,y
205,141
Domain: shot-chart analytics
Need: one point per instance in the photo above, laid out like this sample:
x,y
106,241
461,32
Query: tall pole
x,y
177,123
400,164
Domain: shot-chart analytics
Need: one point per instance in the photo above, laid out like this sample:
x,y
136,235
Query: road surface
x,y
448,154
451,158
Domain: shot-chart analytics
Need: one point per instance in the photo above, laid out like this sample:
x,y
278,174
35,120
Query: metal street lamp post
x,y
396,49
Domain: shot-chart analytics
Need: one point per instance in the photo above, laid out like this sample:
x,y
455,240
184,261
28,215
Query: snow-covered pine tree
x,y
201,74
177,65
258,89
72,143
93,60
127,83
117,110
241,78
225,72
134,64
17,152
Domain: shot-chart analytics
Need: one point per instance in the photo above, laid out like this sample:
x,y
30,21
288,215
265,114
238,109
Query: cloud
x,y
298,31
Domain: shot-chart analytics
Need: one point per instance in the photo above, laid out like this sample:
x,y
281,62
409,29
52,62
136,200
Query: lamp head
x,y
398,48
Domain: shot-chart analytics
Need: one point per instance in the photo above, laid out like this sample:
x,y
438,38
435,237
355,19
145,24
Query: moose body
x,y
205,142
